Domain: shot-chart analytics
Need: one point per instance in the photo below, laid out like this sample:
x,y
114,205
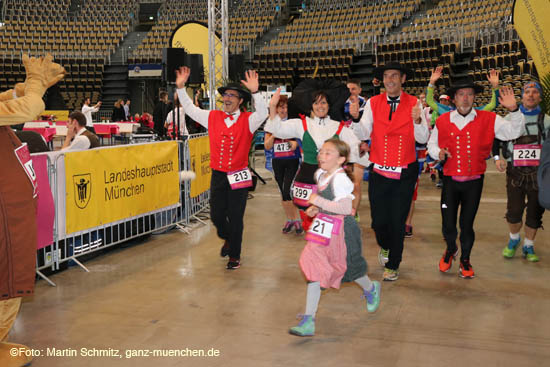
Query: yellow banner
x,y
60,115
199,152
107,185
533,26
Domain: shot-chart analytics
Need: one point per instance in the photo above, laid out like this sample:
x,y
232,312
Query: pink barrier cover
x,y
45,212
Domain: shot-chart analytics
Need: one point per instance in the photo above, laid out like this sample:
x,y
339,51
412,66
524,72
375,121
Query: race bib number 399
x,y
322,229
389,172
527,155
239,179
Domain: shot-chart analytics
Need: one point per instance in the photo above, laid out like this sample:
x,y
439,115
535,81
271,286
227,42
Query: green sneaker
x,y
306,327
383,256
510,250
390,274
373,297
529,254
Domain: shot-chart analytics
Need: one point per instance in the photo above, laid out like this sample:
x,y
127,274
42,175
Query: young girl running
x,y
333,251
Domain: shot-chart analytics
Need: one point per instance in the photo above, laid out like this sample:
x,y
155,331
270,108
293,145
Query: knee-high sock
x,y
9,309
364,282
312,298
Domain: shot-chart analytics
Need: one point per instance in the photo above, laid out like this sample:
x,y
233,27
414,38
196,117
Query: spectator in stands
x,y
353,111
118,111
87,111
78,137
231,133
394,122
160,112
127,110
172,120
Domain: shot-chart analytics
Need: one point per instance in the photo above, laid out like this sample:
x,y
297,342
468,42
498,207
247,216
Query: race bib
x,y
282,149
301,193
24,157
322,228
389,172
240,179
527,155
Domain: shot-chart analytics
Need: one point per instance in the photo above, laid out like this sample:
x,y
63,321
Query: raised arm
x,y
196,113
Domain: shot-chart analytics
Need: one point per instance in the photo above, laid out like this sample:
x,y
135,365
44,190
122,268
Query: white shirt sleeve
x,y
348,136
366,121
86,109
342,187
511,127
433,145
288,130
79,142
421,131
258,117
197,114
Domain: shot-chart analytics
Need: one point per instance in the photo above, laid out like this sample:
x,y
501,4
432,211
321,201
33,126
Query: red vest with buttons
x,y
229,146
392,141
470,146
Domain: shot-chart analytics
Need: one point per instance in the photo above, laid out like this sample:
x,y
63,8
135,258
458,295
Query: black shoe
x,y
233,264
408,231
432,176
439,184
225,249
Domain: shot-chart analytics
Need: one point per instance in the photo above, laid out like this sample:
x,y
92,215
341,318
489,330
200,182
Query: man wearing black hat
x,y
230,133
393,121
463,139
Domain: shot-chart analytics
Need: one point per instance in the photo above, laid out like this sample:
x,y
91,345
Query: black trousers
x,y
227,211
285,171
466,195
390,202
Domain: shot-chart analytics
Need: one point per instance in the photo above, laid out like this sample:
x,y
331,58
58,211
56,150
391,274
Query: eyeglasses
x,y
231,95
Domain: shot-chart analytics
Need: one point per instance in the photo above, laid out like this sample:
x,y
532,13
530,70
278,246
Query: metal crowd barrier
x,y
69,248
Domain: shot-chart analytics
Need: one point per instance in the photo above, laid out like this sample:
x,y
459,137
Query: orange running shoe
x,y
466,271
447,261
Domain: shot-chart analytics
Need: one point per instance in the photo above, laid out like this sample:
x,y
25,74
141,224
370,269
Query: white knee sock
x,y
312,298
365,283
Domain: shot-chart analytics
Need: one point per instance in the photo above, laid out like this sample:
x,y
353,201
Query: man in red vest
x,y
463,139
230,132
393,121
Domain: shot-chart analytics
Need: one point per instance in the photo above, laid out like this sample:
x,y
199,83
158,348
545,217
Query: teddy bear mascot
x,y
17,199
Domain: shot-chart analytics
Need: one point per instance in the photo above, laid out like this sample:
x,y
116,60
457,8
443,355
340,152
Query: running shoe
x,y
510,250
466,271
447,261
390,274
383,256
408,231
225,249
288,227
306,327
373,297
298,226
233,264
529,254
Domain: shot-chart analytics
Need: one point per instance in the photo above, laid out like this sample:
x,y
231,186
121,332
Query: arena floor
x,y
173,292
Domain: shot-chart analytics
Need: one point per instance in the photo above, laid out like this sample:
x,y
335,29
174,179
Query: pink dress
x,y
325,264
